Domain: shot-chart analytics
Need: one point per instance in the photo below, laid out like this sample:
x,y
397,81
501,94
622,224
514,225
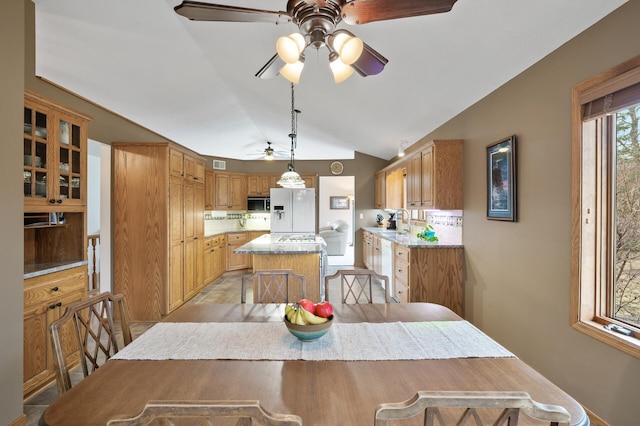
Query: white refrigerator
x,y
293,210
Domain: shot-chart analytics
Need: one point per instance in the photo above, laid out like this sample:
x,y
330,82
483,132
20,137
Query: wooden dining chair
x,y
88,327
275,286
490,408
356,285
168,412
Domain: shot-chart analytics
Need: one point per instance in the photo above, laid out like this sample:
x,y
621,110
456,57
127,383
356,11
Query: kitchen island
x,y
304,255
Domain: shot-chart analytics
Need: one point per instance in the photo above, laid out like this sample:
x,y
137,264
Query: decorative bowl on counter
x,y
308,332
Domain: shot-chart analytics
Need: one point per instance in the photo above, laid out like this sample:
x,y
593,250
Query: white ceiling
x,y
194,82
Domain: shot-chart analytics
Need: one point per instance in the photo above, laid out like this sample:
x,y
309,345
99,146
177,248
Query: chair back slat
x,y
356,285
274,286
94,335
471,408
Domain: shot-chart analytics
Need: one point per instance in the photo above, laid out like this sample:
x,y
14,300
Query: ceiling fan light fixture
x,y
293,71
340,70
290,47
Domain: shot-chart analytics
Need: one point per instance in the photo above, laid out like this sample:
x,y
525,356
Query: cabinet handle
x,y
52,201
59,201
59,304
55,289
52,306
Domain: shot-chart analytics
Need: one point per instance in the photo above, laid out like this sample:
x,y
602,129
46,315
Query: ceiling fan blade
x,y
358,12
271,68
197,11
370,62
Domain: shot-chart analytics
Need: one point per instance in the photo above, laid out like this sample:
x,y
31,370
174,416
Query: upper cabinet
x,y
259,185
55,156
380,190
433,178
230,191
186,166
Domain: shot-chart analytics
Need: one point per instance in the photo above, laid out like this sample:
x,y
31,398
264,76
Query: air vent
x,y
219,164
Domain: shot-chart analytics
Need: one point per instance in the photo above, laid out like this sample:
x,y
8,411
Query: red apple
x,y
324,309
308,305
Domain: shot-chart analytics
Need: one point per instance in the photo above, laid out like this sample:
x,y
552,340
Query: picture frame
x,y
502,185
339,203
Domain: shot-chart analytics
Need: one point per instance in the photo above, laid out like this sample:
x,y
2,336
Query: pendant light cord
x,y
294,129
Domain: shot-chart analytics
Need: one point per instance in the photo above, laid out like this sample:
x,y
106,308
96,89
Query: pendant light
x,y
290,178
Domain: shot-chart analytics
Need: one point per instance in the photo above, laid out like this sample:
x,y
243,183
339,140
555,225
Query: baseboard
x,y
20,421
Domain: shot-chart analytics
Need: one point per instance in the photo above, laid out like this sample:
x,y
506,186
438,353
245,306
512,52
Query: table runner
x,y
344,341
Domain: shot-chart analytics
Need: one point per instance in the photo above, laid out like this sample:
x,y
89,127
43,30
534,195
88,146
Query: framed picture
x,y
339,203
502,180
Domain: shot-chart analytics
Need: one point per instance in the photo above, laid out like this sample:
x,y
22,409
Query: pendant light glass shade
x,y
292,72
290,47
291,179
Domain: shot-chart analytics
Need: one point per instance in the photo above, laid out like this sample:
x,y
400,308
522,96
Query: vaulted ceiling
x,y
194,82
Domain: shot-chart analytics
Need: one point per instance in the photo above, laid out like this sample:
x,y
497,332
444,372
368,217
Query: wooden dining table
x,y
322,393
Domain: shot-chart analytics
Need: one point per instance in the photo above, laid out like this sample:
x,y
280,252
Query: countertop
x,y
35,270
266,244
410,241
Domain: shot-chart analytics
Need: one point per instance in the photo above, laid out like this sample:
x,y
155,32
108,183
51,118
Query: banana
x,y
310,318
298,318
288,311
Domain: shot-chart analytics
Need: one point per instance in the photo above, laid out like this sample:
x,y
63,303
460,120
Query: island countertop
x,y
268,244
410,241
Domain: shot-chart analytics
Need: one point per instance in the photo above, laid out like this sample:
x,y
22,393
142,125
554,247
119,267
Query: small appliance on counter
x,y
391,223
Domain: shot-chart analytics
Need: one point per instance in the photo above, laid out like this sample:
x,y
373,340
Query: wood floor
x,y
225,289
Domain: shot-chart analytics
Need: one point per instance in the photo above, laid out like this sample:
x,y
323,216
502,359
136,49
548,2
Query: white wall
x,y
335,186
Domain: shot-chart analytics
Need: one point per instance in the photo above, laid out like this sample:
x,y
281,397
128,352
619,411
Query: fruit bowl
x,y
308,332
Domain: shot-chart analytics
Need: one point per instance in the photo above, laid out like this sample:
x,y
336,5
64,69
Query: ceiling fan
x,y
317,21
270,154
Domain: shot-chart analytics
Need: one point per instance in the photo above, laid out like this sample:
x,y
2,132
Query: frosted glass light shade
x,y
347,46
292,72
291,179
340,71
290,47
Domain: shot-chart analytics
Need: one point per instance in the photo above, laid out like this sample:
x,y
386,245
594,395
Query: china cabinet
x,y
55,158
158,226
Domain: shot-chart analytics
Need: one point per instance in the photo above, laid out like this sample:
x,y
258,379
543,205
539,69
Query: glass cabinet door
x,y
36,154
70,160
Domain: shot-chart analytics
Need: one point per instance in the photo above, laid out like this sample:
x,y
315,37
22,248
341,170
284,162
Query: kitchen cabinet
x,y
55,156
259,185
434,176
45,300
209,189
230,191
394,189
376,243
401,273
158,227
55,233
432,275
380,190
367,249
237,261
214,257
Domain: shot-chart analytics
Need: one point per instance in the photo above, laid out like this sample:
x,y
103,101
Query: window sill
x,y
627,344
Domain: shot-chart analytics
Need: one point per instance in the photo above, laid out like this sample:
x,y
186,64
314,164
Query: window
x,y
606,199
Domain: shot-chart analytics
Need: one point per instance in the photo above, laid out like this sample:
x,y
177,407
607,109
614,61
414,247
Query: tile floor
x,y
225,289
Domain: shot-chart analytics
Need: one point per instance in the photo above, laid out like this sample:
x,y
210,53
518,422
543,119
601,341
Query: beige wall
x,y
517,275
11,243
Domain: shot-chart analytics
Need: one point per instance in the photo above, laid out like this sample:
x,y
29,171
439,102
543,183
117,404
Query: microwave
x,y
258,204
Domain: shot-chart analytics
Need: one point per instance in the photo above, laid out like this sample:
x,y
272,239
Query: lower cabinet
x,y
401,273
237,261
45,300
214,257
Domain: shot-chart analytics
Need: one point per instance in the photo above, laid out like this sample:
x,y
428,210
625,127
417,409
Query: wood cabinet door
x,y
191,266
176,203
427,175
237,194
176,276
37,365
222,200
176,162
189,210
209,188
253,185
380,190
414,179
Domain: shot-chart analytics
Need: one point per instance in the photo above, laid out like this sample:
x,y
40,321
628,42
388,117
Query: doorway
x,y
342,187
